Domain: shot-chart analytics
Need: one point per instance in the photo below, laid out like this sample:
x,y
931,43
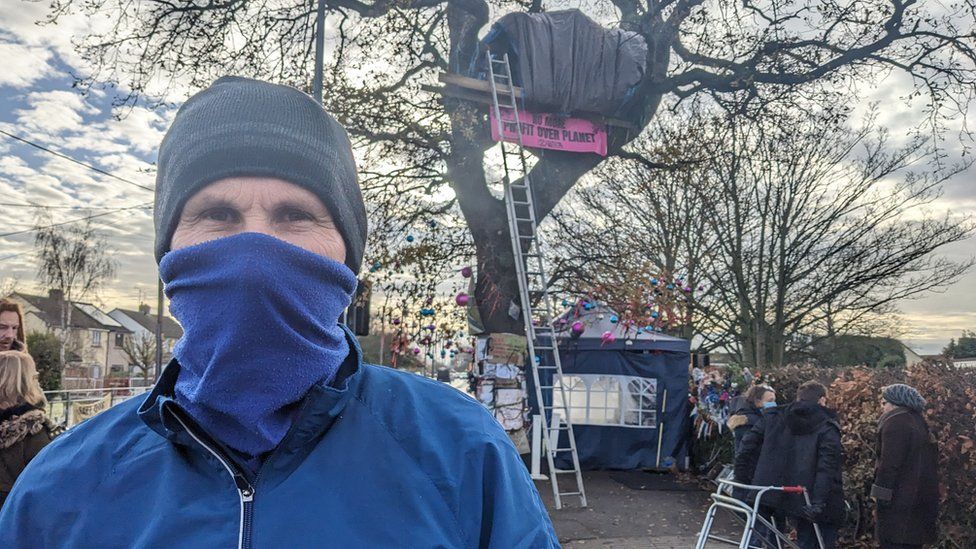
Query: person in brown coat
x,y
24,427
906,481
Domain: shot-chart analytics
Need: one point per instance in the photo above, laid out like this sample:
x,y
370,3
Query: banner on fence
x,y
81,412
549,131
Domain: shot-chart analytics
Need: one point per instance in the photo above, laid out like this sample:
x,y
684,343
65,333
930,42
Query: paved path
x,y
625,512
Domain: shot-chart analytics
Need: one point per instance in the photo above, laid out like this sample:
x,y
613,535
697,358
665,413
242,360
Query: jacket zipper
x,y
244,489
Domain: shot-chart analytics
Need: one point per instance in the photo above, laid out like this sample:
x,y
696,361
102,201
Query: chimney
x,y
144,309
56,295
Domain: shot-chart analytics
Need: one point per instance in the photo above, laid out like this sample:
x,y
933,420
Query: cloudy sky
x,y
37,103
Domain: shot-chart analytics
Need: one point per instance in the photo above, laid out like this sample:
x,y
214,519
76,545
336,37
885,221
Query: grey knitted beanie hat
x,y
907,396
243,127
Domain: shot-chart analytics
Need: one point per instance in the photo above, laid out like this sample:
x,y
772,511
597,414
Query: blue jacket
x,y
379,458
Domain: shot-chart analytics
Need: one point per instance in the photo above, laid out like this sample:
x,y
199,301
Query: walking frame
x,y
750,515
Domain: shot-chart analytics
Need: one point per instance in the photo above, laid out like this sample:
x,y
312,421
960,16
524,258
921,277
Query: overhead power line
x,y
14,204
32,229
79,162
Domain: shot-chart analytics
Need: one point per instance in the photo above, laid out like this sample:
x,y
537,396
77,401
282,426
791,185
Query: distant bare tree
x,y
8,286
799,229
141,352
74,260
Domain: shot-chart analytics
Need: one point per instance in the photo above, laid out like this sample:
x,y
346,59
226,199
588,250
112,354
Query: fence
x,y
70,407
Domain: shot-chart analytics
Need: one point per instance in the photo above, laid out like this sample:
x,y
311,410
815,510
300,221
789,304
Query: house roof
x,y
171,329
83,315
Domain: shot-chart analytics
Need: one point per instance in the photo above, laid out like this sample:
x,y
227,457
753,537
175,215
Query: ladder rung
x,y
569,493
570,449
565,471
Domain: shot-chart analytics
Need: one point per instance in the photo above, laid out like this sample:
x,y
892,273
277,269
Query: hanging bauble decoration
x,y
565,303
416,350
653,314
431,327
613,319
409,238
608,337
461,299
599,317
431,223
466,272
576,329
376,266
443,353
670,286
653,282
396,321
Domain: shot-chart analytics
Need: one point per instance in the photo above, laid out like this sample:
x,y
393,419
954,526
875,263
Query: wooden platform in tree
x,y
479,91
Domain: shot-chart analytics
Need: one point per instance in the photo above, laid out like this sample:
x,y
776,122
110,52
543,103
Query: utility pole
x,y
159,330
319,51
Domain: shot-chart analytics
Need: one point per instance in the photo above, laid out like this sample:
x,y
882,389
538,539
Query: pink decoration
x,y
461,299
396,321
608,337
416,350
577,328
466,272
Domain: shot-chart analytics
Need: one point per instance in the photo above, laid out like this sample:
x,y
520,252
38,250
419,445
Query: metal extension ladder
x,y
531,274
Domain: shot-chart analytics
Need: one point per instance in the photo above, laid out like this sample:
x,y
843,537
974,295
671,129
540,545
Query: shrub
x,y
46,350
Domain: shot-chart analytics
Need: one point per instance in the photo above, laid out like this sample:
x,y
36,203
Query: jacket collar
x,y
897,411
316,413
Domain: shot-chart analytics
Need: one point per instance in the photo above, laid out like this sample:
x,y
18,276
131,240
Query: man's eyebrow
x,y
210,201
304,205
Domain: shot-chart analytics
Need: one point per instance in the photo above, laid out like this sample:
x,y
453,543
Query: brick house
x,y
142,325
94,339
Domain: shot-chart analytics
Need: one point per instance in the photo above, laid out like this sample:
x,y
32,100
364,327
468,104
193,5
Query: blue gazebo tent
x,y
628,399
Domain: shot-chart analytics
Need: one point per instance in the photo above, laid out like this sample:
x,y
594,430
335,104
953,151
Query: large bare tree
x,y
426,155
800,227
75,261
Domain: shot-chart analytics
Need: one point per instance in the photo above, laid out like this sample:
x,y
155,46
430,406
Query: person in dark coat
x,y
906,481
24,428
798,445
745,411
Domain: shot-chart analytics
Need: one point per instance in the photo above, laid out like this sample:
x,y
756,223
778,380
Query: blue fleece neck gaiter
x,y
260,328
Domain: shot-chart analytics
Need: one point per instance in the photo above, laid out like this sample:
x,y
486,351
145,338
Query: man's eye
x,y
220,215
295,216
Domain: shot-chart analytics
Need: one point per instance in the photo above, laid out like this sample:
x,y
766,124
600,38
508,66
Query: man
x,y
906,481
12,327
798,445
267,429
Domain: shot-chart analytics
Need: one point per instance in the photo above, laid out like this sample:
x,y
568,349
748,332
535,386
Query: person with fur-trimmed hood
x,y
746,410
24,427
906,481
798,445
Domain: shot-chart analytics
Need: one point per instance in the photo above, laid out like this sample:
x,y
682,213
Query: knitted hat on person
x,y
243,127
907,396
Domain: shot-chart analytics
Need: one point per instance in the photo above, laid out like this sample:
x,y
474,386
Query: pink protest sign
x,y
548,131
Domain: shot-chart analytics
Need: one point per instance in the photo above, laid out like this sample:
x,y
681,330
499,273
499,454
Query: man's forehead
x,y
9,317
255,188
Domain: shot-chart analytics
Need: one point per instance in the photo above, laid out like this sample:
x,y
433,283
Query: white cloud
x,y
23,65
53,112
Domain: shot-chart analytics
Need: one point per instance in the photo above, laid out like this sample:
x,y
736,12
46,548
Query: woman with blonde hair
x,y
24,427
